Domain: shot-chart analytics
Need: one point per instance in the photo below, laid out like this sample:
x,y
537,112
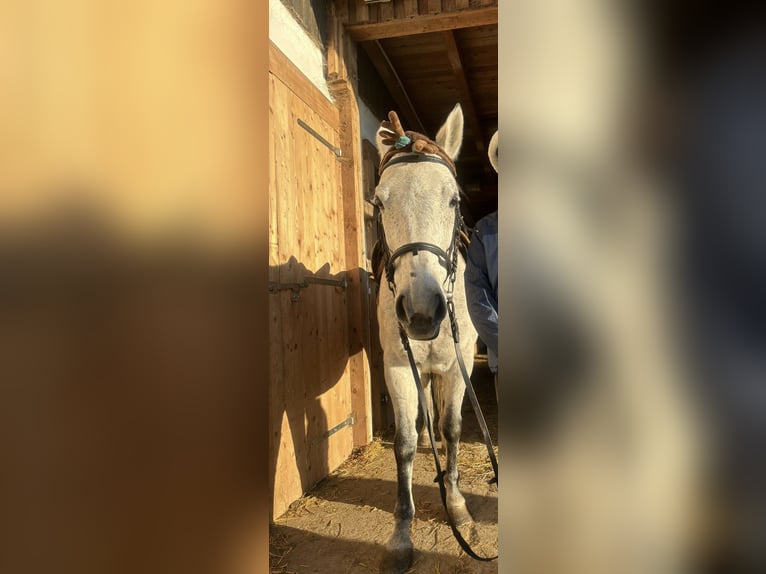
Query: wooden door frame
x,y
341,80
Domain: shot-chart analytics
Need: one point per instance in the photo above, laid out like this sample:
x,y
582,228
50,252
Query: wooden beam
x,y
466,98
391,79
423,24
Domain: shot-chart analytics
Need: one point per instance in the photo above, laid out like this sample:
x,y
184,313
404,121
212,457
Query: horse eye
x,y
454,201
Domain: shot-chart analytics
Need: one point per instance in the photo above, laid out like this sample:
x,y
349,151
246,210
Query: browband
x,y
417,158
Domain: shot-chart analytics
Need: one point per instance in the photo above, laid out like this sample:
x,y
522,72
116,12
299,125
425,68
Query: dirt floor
x,y
342,525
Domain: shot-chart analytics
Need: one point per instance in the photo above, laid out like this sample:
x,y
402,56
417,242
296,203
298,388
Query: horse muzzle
x,y
421,318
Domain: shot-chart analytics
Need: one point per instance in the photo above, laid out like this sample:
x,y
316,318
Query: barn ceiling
x,y
430,56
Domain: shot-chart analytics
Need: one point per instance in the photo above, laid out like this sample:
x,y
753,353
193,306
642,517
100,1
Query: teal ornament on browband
x,y
403,141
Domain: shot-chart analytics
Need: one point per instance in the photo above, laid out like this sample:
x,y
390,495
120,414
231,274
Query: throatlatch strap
x,y
439,472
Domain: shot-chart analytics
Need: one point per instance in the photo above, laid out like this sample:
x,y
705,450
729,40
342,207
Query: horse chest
x,y
434,357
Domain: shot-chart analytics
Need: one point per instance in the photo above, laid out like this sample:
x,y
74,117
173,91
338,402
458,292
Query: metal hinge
x,y
325,435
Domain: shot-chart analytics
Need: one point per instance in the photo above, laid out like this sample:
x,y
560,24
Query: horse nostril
x,y
441,309
401,313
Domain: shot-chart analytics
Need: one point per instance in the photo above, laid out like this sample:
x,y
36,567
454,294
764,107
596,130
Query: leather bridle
x,y
447,259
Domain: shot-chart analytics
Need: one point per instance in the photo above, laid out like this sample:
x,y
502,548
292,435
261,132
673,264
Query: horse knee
x,y
405,445
451,428
419,422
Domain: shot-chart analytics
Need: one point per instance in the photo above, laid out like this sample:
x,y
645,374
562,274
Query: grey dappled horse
x,y
418,203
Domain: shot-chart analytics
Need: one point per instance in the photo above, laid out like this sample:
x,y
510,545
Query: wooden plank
x,y
386,11
292,477
373,13
336,402
434,6
361,12
281,66
288,464
339,320
319,385
409,8
380,415
273,204
420,66
276,375
341,9
394,84
479,35
426,42
422,24
466,98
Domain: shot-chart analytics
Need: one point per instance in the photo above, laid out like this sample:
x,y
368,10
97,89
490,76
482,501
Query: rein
x,y
384,259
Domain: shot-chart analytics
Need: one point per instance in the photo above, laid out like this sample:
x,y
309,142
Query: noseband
x,y
447,259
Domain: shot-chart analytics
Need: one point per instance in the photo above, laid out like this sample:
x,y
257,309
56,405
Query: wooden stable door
x,y
310,392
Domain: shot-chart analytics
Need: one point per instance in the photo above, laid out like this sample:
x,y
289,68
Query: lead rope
x,y
439,472
470,390
463,370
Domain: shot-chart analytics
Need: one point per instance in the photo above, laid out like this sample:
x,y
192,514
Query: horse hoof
x,y
460,515
396,561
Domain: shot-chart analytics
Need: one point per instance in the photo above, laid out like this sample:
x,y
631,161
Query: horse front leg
x,y
450,390
398,556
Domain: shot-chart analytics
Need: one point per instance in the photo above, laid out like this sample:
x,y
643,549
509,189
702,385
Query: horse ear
x,y
450,135
382,148
492,151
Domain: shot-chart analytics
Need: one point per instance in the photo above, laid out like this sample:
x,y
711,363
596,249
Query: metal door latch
x,y
313,132
276,287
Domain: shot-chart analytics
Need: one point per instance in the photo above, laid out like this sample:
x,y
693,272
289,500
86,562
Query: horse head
x,y
418,203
